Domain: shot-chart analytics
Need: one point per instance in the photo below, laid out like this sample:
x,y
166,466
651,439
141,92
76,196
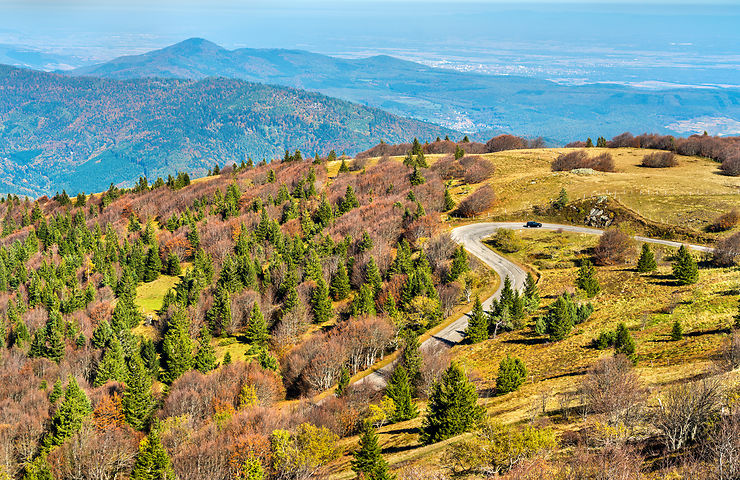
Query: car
x,y
532,224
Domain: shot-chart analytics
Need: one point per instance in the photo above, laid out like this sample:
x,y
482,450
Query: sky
x,y
679,42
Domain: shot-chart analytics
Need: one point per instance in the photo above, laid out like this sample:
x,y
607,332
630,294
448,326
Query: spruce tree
x,y
112,366
367,460
372,275
560,319
153,264
416,178
685,269
137,402
340,287
412,359
677,331
56,391
343,168
256,334
205,358
646,263
531,293
227,359
21,337
623,342
152,461
321,303
460,264
399,390
173,265
512,373
364,301
453,407
586,279
70,415
177,347
477,330
343,382
449,203
219,315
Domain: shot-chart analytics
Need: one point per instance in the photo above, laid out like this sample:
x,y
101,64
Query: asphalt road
x,y
471,237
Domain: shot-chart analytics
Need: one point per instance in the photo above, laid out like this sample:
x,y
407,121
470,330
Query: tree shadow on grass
x,y
530,341
400,448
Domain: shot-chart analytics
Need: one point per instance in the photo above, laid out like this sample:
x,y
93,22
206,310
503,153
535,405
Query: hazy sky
x,y
547,38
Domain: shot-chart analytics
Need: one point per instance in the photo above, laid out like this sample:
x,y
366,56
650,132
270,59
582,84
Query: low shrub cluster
x,y
580,159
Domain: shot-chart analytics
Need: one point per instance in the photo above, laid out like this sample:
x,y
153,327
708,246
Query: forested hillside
x,y
271,282
82,134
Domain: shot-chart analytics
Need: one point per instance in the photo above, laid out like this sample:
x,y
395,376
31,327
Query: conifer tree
x,y
449,203
227,359
367,459
343,168
54,347
21,337
177,347
340,287
152,461
68,418
562,199
399,390
38,469
460,264
173,265
411,358
321,303
586,279
349,201
364,301
137,402
56,391
512,373
148,353
453,407
343,382
112,366
560,318
325,212
677,331
219,315
477,330
589,142
416,177
372,275
623,342
257,334
646,263
205,358
531,293
685,269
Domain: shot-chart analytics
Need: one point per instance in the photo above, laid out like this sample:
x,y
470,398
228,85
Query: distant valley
x,y
469,102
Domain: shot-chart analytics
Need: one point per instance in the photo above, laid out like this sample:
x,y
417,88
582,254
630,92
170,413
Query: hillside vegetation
x,y
82,134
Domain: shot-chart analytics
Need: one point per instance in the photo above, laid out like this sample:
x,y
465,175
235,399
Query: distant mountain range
x,y
463,101
82,134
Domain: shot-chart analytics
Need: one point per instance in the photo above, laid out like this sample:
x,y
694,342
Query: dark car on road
x,y
532,224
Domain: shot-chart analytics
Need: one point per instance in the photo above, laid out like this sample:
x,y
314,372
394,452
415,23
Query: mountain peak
x,y
194,45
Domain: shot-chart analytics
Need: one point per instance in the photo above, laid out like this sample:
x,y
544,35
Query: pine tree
x,y
477,330
412,359
560,318
416,178
685,269
54,347
646,263
227,359
137,402
112,366
562,199
531,293
205,358
177,347
453,407
459,152
449,203
68,418
364,301
623,342
512,373
152,461
340,287
257,334
400,391
343,168
173,265
589,143
586,279
56,391
343,382
677,331
219,315
372,275
321,303
367,460
460,264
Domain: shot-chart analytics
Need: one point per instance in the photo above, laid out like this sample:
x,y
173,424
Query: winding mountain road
x,y
471,237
